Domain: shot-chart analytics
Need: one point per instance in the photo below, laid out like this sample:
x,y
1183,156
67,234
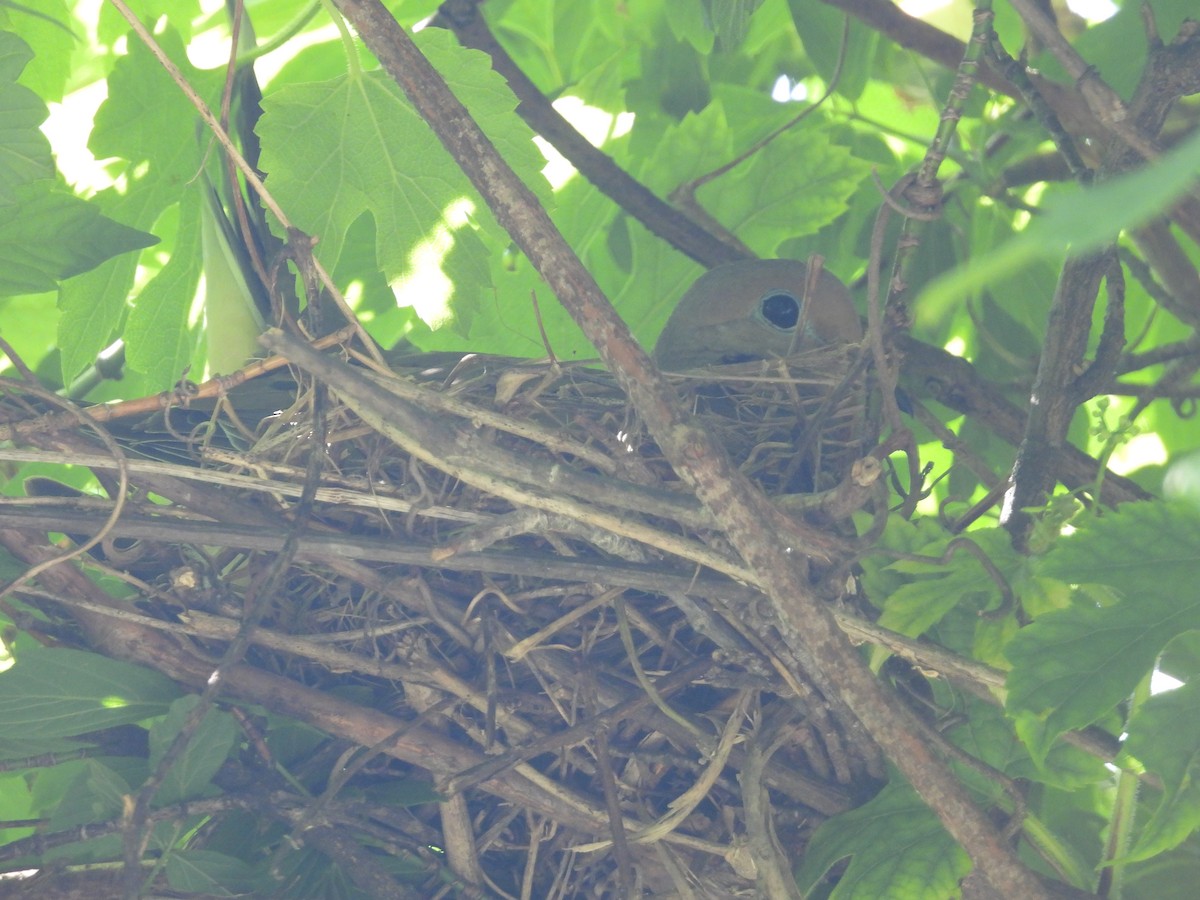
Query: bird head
x,y
756,309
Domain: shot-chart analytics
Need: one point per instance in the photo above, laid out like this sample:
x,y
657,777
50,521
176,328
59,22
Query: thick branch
x,y
1053,401
954,382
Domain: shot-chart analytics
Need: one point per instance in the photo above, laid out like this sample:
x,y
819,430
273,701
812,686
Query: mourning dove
x,y
755,309
780,430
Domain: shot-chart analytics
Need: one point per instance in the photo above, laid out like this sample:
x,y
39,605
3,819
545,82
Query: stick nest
x,y
529,582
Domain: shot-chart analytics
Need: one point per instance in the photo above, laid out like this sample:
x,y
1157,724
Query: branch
x,y
1169,72
955,383
922,38
1103,101
659,217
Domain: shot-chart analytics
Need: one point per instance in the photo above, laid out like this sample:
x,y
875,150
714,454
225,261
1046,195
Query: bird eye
x,y
780,310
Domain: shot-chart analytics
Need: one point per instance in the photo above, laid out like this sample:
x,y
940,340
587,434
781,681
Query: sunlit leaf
x,y
53,693
1072,666
1164,737
897,848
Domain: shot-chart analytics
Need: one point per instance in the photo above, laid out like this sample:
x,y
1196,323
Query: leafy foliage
x,y
898,847
49,234
1027,639
1073,665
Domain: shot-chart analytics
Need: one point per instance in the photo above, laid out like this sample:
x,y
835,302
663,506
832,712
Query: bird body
x,y
756,309
766,349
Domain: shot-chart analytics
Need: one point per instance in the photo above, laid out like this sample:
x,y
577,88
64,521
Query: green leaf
x,y
881,580
919,604
24,150
147,118
52,693
731,19
1170,15
30,324
160,338
561,44
1164,737
899,849
689,21
1071,667
15,803
820,27
1144,549
83,792
1165,876
208,873
45,26
699,143
917,595
1181,659
987,734
339,148
147,122
48,234
203,756
793,187
180,14
90,307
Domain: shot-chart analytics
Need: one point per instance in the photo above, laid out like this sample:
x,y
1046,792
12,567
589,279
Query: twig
x,y
1103,101
659,217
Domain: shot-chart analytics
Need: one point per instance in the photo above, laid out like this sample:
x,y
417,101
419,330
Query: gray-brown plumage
x,y
756,309
764,350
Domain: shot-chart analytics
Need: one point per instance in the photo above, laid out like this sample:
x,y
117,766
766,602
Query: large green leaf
x,y
794,186
48,234
211,742
1072,666
47,27
337,149
147,122
160,337
821,26
897,846
24,150
54,693
1164,737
